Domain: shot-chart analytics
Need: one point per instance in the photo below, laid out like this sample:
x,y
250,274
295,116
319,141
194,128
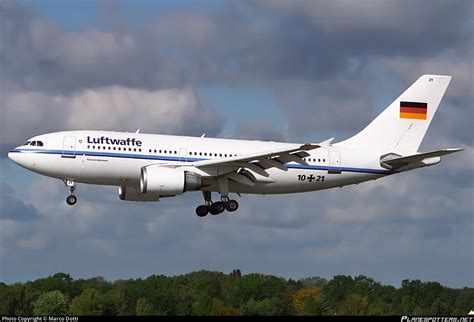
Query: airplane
x,y
148,167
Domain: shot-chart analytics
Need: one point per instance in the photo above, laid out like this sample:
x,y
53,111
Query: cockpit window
x,y
33,143
39,143
27,143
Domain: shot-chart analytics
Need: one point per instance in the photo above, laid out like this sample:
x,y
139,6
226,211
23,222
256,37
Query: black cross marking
x,y
311,178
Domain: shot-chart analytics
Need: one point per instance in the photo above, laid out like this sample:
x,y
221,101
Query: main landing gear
x,y
216,208
71,199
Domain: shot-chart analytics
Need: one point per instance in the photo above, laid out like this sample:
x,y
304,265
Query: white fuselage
x,y
116,158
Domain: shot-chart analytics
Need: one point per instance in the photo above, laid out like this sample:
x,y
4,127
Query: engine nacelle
x,y
168,181
135,194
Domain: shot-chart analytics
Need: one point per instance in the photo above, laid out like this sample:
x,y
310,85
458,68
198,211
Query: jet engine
x,y
135,194
168,181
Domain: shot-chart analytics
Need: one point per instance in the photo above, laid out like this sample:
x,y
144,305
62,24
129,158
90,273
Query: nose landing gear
x,y
71,199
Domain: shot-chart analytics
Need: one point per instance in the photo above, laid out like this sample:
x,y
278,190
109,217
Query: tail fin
x,y
403,124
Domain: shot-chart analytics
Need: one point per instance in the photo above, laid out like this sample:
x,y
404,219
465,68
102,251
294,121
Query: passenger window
x,y
134,149
98,148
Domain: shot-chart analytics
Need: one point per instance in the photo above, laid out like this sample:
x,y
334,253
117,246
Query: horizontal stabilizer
x,y
394,161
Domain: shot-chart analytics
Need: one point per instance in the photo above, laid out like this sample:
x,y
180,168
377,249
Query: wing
x,y
243,168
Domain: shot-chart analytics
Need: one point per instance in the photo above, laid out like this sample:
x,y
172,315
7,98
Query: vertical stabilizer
x,y
403,124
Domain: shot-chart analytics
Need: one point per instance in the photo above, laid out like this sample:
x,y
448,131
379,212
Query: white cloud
x,y
35,242
111,108
446,62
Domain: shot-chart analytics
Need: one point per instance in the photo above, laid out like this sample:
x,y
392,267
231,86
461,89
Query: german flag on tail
x,y
413,110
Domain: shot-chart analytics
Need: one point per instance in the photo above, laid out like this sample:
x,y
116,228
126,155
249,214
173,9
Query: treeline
x,y
215,293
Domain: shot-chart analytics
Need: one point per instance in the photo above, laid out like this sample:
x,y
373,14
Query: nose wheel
x,y
71,199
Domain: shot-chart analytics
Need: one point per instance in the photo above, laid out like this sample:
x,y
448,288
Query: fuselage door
x,y
334,162
69,147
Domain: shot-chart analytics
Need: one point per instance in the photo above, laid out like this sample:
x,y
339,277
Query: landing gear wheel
x,y
71,200
216,208
202,210
231,205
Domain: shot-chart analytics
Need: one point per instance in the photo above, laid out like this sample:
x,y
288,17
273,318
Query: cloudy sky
x,y
293,71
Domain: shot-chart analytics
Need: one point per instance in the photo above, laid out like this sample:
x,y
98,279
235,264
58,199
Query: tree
x,y
143,308
300,297
336,290
267,307
236,273
50,303
115,303
354,304
313,306
161,293
313,282
17,299
90,302
202,305
220,309
258,287
216,293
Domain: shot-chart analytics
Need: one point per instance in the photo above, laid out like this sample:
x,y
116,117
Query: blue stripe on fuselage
x,y
187,159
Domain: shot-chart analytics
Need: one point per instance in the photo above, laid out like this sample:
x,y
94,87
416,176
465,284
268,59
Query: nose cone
x,y
14,156
19,158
